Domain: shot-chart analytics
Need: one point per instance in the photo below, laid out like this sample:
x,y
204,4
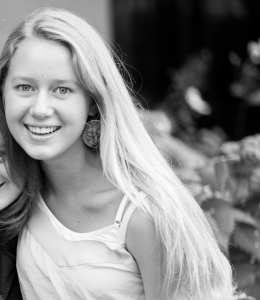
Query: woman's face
x,y
46,109
8,190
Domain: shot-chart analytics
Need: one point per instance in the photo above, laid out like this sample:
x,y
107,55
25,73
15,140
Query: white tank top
x,y
54,262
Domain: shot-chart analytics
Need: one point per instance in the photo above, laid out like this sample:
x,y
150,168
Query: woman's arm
x,y
142,243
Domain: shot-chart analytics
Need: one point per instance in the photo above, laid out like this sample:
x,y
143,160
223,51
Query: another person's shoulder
x,y
8,247
9,284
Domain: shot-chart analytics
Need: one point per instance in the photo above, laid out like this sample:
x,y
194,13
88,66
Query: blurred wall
x,y
98,12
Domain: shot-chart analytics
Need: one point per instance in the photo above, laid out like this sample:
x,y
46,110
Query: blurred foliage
x,y
227,187
246,84
184,100
224,176
233,205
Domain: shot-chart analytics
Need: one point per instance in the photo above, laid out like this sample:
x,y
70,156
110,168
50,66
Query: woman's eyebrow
x,y
57,81
24,78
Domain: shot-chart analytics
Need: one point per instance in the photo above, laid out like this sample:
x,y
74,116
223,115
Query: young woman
x,y
12,211
111,220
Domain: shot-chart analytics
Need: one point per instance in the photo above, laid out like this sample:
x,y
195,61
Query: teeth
x,y
42,130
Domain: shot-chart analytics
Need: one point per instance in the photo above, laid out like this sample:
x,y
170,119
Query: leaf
x,y
247,238
226,217
220,212
221,209
216,230
245,274
253,291
208,176
225,175
216,204
252,206
241,216
222,173
230,148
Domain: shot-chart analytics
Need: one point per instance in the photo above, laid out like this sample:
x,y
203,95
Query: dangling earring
x,y
91,133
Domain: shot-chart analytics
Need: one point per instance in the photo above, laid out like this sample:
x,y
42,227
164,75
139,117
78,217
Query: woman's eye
x,y
24,88
62,90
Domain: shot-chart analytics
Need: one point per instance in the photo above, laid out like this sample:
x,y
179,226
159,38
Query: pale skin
x,y
41,91
9,191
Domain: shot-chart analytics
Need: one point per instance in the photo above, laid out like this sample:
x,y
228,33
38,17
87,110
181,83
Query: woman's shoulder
x,y
141,227
9,284
8,247
144,245
140,223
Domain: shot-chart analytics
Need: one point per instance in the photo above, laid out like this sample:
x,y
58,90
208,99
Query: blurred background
x,y
195,68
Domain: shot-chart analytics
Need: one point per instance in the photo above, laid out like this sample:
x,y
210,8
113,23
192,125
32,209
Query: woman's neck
x,y
78,193
81,174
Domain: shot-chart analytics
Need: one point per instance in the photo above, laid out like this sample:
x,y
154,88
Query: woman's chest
x,y
98,267
83,217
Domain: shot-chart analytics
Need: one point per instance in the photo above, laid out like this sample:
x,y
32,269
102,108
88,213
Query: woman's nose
x,y
41,107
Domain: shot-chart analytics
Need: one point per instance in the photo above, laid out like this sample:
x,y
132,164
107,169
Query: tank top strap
x,y
124,224
120,210
130,207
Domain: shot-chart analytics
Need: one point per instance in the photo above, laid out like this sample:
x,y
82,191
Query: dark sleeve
x,y
9,284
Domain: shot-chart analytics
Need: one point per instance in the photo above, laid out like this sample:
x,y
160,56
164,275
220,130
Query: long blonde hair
x,y
192,265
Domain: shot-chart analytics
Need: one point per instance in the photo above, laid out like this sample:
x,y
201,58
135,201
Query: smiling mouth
x,y
42,130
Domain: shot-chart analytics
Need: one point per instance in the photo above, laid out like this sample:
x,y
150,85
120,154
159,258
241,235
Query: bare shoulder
x,y
140,228
143,244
